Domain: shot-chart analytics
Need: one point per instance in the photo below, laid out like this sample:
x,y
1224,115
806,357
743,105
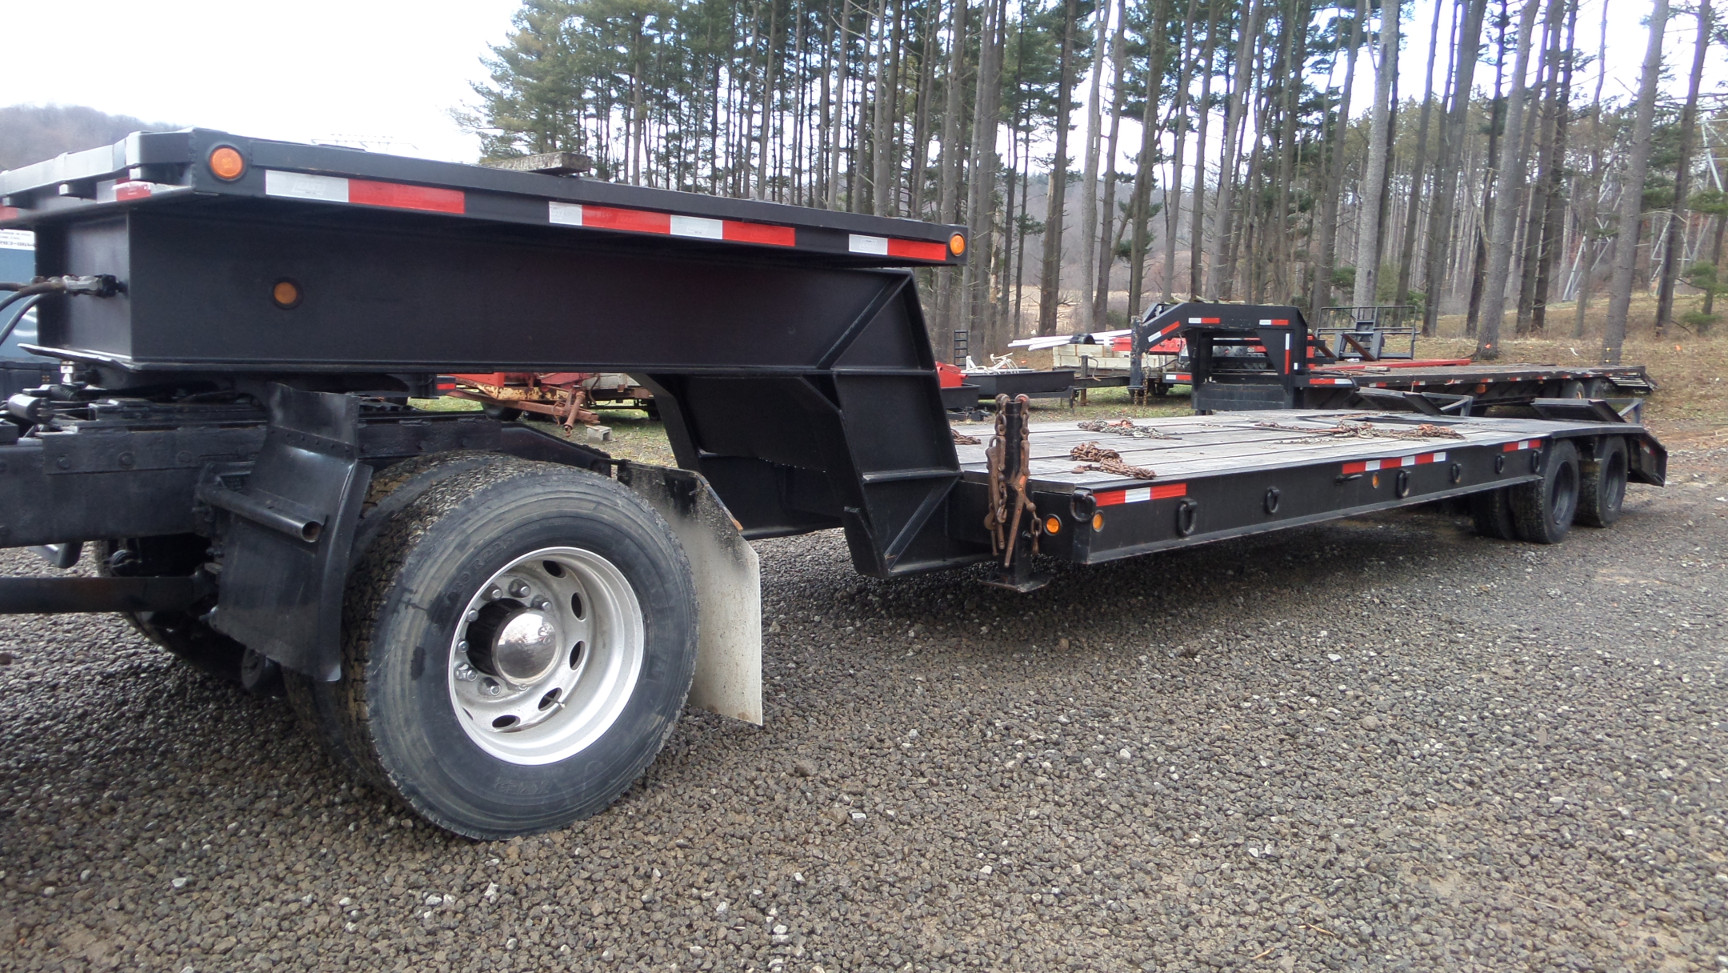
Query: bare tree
x,y
1511,177
1632,196
1683,173
1049,286
1446,168
1379,146
1089,176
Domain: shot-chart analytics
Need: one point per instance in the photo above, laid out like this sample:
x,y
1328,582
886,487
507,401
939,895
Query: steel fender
x,y
728,588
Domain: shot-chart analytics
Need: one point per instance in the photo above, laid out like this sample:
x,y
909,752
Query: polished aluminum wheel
x,y
547,653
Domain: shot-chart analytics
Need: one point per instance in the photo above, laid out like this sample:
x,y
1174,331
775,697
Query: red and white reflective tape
x,y
364,192
1372,465
1521,444
8,212
1331,381
668,224
885,246
122,190
1178,377
1162,491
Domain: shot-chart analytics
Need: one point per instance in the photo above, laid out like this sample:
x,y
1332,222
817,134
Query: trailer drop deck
x,y
498,626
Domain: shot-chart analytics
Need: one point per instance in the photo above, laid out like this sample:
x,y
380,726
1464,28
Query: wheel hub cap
x,y
526,648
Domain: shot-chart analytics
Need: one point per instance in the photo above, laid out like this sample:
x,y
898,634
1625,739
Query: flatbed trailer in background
x,y
498,626
1230,365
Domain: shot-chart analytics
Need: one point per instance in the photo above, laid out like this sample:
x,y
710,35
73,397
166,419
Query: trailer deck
x,y
1242,357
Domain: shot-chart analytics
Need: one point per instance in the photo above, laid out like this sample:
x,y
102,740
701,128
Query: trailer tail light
x,y
1097,521
1052,525
957,244
226,163
286,294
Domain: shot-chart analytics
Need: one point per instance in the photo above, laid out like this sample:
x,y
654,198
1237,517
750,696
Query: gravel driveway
x,y
1379,744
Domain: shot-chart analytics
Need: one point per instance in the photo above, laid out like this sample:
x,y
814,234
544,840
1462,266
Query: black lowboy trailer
x,y
501,627
1243,356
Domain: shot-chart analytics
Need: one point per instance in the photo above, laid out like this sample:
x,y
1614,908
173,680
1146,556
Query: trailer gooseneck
x,y
501,627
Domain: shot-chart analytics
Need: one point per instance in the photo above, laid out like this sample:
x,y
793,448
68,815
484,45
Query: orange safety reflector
x,y
226,163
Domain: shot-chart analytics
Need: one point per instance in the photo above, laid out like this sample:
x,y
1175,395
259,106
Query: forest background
x,y
1260,150
1209,148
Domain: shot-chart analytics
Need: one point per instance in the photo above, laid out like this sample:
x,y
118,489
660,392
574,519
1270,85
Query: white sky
x,y
390,72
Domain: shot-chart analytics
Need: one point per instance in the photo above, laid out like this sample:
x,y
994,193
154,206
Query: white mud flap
x,y
728,588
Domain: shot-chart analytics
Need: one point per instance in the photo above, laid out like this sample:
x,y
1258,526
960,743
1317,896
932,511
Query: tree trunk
x,y
1373,180
1407,252
1553,220
1082,322
1511,178
1490,180
980,211
1683,173
948,184
1221,214
1108,223
1326,248
1140,205
1173,189
1446,169
1592,199
1632,197
1197,207
1049,285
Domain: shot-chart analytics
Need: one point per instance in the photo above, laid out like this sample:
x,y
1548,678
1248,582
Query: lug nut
x,y
493,594
464,671
541,604
492,688
472,616
518,588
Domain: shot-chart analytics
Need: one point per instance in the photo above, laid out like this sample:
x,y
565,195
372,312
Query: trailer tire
x,y
1543,511
316,704
183,633
1602,487
1491,510
460,695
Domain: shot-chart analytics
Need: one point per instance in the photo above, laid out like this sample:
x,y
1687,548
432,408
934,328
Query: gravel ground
x,y
1379,744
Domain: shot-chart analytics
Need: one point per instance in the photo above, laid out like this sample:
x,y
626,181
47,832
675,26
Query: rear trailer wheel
x,y
1602,488
519,643
1492,512
1543,511
183,633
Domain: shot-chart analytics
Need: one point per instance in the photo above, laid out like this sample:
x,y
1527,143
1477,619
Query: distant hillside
x,y
31,133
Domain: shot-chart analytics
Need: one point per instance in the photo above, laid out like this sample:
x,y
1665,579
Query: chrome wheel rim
x,y
545,656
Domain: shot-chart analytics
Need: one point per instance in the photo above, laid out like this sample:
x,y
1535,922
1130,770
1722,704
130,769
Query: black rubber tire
x,y
1543,511
182,633
503,413
401,616
1491,510
1602,486
317,704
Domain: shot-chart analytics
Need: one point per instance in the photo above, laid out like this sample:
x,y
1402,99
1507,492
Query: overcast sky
x,y
388,73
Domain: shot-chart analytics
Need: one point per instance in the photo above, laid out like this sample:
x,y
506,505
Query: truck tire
x,y
1602,486
183,633
518,643
1491,510
1543,511
317,705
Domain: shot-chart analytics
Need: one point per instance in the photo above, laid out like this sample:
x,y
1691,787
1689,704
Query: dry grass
x,y
1691,402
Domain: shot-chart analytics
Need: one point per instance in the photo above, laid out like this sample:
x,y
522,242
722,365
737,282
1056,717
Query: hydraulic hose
x,y
97,285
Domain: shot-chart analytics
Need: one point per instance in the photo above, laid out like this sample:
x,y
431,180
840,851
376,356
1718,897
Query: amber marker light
x,y
286,294
1097,521
1052,525
957,244
226,163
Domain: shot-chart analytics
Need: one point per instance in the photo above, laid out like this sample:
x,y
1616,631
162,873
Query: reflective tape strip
x,y
667,224
1177,377
883,246
1162,491
1205,321
1330,381
8,212
1373,465
364,192
1521,444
